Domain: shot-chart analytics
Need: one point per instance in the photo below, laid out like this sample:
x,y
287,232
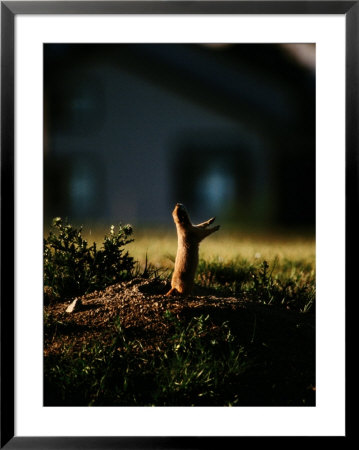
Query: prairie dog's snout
x,y
189,237
180,215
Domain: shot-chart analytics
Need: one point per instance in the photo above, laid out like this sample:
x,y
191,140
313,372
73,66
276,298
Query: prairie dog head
x,y
180,216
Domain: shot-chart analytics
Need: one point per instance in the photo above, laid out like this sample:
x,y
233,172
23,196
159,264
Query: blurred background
x,y
228,130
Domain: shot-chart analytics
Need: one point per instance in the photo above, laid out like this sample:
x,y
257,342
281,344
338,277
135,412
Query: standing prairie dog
x,y
189,237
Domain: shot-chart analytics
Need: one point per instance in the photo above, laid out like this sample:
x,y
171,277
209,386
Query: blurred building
x,y
228,130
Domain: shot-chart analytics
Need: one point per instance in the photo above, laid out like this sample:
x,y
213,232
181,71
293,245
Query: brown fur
x,y
189,237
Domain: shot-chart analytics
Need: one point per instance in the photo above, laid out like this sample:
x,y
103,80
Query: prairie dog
x,y
189,237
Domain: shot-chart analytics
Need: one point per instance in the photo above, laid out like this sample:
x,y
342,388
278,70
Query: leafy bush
x,y
72,267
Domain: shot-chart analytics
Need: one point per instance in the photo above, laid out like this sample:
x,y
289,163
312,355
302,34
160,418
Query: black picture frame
x,y
9,10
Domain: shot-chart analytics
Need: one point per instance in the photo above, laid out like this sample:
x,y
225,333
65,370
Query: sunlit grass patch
x,y
161,246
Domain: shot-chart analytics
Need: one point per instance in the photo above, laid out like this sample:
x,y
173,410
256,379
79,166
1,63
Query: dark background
x,y
228,130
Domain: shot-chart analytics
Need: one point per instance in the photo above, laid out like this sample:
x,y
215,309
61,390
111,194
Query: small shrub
x,y
72,267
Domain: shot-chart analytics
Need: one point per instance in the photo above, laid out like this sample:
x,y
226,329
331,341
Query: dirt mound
x,y
140,306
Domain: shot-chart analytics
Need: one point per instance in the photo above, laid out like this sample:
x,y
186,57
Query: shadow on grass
x,y
210,355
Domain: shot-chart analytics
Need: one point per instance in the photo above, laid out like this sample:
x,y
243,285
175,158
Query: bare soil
x,y
140,306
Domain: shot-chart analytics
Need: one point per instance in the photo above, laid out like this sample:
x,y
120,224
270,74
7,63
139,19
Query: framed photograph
x,y
176,181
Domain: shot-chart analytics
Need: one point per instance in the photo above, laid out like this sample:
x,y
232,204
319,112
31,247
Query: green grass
x,y
201,363
263,357
287,284
195,366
